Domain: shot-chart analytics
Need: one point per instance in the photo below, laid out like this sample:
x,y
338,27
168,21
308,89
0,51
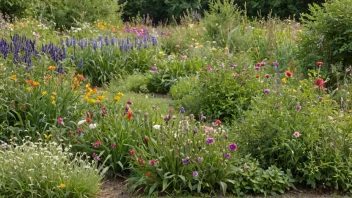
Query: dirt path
x,y
116,188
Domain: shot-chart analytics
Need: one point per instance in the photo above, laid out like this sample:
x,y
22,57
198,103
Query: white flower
x,y
93,126
156,126
81,122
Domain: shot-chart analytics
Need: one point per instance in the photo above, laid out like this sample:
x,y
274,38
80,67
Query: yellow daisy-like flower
x,y
101,97
28,89
93,101
47,136
62,185
53,102
54,93
52,97
44,93
294,91
120,94
284,80
14,77
117,98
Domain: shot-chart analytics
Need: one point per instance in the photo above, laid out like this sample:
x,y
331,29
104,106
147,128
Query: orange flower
x,y
148,174
51,68
47,78
81,77
35,84
129,114
28,81
14,77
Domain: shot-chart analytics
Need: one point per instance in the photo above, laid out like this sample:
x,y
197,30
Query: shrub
x,y
136,83
184,155
46,169
326,36
290,126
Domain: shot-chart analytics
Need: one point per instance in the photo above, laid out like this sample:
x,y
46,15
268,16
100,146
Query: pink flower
x,y
60,121
153,162
296,134
113,145
245,166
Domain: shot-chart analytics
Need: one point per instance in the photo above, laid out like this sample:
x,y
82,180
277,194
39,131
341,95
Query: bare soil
x,y
116,188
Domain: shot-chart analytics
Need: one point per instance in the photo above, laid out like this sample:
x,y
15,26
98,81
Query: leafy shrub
x,y
184,155
290,126
136,83
46,169
326,36
220,92
16,8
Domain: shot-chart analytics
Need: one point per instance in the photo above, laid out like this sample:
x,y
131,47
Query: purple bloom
x,y
298,107
182,110
153,68
210,141
320,98
276,64
185,161
200,159
267,75
153,107
195,131
195,174
208,68
245,166
94,155
129,102
203,117
127,108
256,68
98,158
266,91
167,118
233,147
227,155
234,65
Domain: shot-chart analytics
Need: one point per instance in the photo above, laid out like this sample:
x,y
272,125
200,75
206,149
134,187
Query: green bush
x,y
290,127
326,36
184,156
136,83
17,8
46,169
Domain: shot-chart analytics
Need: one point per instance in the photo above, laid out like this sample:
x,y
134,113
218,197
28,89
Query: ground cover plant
x,y
223,104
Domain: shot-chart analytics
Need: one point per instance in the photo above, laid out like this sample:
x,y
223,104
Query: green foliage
x,y
132,83
16,8
326,36
290,127
280,8
175,158
159,10
219,92
46,169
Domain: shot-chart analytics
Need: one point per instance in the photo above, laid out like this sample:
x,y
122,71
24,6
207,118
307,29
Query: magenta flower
x,y
267,76
195,174
129,102
233,147
210,141
296,134
276,64
94,155
227,156
153,68
266,91
203,117
60,120
256,68
208,68
113,145
320,98
298,107
153,162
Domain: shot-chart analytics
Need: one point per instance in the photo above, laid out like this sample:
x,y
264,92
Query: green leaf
x,y
223,186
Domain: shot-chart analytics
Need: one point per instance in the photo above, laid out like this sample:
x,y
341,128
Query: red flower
x,y
89,120
152,162
129,114
319,64
218,122
288,73
148,174
113,145
132,152
256,76
319,82
145,139
97,144
140,161
90,114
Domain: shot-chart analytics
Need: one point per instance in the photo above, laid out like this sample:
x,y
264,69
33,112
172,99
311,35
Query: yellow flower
x,y
93,101
117,98
44,93
284,80
100,97
52,97
28,89
62,186
294,91
14,77
54,93
47,136
53,102
120,94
